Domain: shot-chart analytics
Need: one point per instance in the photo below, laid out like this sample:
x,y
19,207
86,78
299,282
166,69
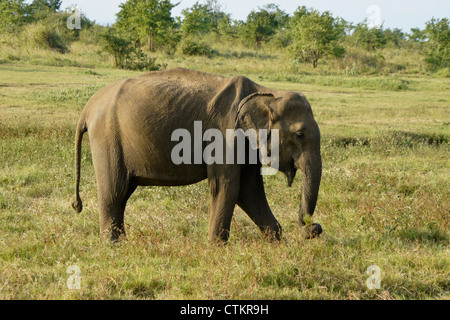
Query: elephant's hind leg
x,y
114,188
112,207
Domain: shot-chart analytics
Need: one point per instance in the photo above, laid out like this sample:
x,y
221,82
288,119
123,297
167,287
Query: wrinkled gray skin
x,y
130,124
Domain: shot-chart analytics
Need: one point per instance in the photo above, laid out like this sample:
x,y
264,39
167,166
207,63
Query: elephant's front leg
x,y
252,199
224,184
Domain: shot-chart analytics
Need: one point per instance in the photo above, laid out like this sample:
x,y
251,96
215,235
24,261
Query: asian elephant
x,y
131,124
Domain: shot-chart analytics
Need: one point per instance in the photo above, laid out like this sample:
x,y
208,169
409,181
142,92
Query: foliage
x,y
125,55
205,18
146,19
53,5
369,38
226,28
197,20
396,37
92,35
118,47
207,30
359,61
263,24
44,36
416,35
140,61
437,48
216,14
192,47
40,9
13,14
315,35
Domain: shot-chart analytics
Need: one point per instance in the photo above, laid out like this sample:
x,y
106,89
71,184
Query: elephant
x,y
131,123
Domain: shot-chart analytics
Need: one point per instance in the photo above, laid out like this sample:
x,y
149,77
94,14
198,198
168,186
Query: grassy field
x,y
384,199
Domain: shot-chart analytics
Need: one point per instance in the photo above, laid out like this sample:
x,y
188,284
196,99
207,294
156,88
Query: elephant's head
x,y
299,139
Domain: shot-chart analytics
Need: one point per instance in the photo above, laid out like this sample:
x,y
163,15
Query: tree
x,y
216,15
40,10
437,46
118,47
150,19
13,14
395,36
262,24
369,38
315,35
225,27
206,18
416,35
51,5
197,19
281,17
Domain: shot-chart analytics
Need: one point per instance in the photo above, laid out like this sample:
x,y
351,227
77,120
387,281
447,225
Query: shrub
x,y
359,61
126,56
369,38
118,47
45,37
190,47
138,60
91,35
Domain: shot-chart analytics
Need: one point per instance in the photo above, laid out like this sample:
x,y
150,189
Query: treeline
x,y
144,26
41,23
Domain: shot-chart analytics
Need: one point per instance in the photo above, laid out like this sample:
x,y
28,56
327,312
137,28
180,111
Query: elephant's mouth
x,y
290,172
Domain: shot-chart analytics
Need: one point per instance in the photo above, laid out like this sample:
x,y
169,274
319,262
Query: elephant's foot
x,y
313,231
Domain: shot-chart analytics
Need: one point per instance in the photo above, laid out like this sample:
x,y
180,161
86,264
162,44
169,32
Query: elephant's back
x,y
185,77
174,91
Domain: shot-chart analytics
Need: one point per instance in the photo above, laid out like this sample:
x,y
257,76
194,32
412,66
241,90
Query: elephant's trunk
x,y
311,166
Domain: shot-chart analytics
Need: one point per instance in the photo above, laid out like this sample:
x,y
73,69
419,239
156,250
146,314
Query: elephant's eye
x,y
300,134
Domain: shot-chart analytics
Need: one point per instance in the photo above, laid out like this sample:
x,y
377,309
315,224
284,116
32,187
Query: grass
x,y
383,201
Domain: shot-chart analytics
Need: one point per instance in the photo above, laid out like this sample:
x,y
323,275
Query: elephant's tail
x,y
81,129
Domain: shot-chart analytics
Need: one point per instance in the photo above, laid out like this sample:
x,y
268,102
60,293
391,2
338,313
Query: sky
x,y
403,14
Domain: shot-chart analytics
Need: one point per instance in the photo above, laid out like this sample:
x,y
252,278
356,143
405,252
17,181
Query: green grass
x,y
378,83
383,201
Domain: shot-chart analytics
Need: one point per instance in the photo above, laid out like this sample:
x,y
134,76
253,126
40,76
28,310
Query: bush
x,y
126,56
190,47
92,35
359,61
368,38
118,47
138,60
44,37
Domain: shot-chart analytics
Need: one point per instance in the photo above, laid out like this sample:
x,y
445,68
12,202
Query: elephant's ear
x,y
255,113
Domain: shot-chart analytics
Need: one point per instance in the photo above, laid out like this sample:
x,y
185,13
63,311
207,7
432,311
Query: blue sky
x,y
403,14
